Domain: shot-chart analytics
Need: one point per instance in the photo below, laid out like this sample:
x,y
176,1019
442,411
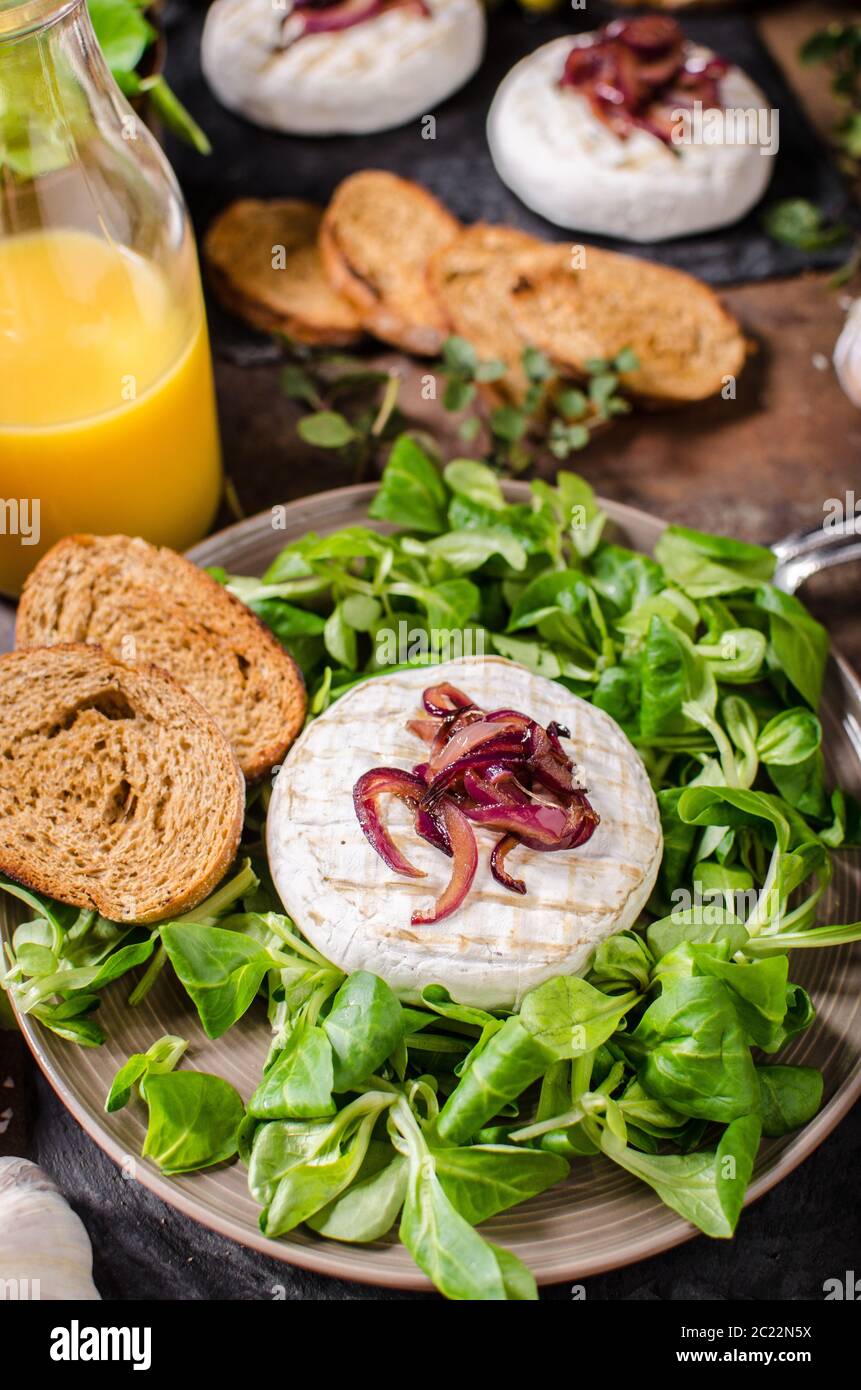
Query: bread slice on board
x,y
472,279
118,791
377,236
686,343
264,265
149,605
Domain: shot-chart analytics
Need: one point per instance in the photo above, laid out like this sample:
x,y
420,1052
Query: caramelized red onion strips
x,y
637,72
366,794
497,864
444,699
464,864
500,770
333,16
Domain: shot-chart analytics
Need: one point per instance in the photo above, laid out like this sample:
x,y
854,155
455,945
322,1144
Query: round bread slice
x,y
472,279
148,604
265,266
376,239
685,342
497,945
118,792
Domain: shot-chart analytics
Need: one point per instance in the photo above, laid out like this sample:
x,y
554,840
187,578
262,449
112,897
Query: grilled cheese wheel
x,y
498,945
565,163
390,68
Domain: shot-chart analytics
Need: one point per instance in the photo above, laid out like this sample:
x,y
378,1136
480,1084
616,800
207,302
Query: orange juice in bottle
x,y
107,413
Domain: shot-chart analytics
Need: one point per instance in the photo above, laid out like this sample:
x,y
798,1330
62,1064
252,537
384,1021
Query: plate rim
x,y
324,1259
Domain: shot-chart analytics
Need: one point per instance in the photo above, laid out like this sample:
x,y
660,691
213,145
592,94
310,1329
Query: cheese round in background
x,y
564,162
373,76
497,945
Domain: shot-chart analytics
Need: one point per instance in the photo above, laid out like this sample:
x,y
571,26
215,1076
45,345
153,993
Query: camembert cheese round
x,y
497,945
564,162
396,65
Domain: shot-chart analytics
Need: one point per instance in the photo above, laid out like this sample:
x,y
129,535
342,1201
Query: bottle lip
x,y
19,17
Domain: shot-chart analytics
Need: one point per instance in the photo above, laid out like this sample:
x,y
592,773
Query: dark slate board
x,y
248,161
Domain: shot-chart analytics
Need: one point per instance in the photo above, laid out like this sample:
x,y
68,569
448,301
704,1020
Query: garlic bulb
x,y
847,354
45,1252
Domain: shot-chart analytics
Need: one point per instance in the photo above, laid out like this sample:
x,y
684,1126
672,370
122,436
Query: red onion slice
x,y
448,727
647,34
633,70
497,786
552,768
308,19
464,865
540,826
582,65
512,754
430,824
497,864
657,72
366,793
473,738
444,699
484,769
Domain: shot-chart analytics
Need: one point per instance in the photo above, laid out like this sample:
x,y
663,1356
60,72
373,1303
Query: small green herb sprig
x,y
370,416
124,34
563,415
354,409
838,48
799,223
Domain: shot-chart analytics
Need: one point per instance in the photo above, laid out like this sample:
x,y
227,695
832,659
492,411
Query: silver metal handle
x,y
805,553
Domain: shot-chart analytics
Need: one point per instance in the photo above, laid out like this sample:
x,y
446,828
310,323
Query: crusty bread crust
x,y
685,341
118,791
293,297
150,605
472,279
376,238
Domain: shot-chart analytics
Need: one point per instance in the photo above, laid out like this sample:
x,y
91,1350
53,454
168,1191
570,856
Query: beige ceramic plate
x,y
600,1218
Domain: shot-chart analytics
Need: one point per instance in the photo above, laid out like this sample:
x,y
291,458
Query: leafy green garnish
x,y
799,223
43,110
838,47
125,34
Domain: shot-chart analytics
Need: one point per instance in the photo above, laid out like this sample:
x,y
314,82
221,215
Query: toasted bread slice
x,y
376,238
472,279
265,266
147,604
118,791
686,343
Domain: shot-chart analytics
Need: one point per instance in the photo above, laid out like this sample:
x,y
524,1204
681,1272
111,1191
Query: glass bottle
x,y
107,410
